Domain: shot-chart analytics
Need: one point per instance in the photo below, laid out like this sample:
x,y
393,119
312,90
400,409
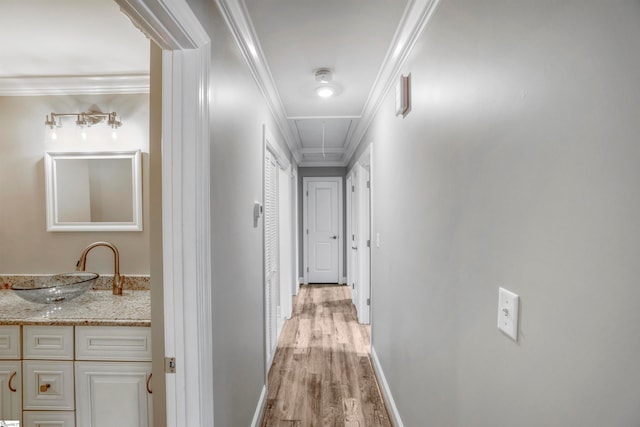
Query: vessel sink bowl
x,y
55,289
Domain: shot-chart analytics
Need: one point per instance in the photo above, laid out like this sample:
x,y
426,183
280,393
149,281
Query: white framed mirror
x,y
94,191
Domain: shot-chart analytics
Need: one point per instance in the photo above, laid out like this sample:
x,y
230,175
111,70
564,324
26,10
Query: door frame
x,y
362,207
187,270
305,246
270,144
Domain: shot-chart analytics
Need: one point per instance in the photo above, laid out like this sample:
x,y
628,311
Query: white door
x,y
323,230
113,394
10,391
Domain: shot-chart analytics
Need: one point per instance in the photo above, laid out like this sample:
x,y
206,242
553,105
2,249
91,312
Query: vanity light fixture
x,y
84,120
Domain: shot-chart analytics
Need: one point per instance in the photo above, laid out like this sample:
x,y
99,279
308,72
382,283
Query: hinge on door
x,y
353,188
307,231
353,286
368,184
170,365
307,269
368,301
307,194
368,243
353,237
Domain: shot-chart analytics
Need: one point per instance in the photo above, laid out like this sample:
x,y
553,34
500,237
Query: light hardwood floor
x,y
322,373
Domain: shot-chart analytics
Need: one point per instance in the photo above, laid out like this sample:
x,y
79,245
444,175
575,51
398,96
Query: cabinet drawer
x,y
47,342
10,342
47,385
49,419
113,343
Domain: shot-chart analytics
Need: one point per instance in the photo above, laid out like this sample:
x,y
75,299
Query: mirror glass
x,y
94,191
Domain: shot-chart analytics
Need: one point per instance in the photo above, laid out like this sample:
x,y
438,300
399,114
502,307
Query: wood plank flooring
x,y
322,373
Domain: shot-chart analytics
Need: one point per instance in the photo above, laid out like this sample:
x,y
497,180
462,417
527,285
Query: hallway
x,y
322,372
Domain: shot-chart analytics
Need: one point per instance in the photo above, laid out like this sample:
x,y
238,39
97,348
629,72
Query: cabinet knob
x,y
44,387
11,388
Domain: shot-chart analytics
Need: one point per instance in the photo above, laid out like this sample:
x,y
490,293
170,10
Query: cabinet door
x,y
10,390
113,394
49,419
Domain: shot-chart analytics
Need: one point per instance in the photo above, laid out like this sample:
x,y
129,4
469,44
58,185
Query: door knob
x,y
334,237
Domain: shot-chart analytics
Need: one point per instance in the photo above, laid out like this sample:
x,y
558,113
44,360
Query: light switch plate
x,y
508,312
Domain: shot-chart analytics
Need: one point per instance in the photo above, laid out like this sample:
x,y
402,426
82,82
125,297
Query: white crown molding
x,y
322,164
171,24
412,23
327,150
322,117
237,17
73,85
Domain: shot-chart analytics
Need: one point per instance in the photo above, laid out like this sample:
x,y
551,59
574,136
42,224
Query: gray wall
x,y
517,167
238,112
320,172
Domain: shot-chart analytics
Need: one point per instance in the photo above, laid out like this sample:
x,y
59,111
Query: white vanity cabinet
x,y
68,376
10,374
113,376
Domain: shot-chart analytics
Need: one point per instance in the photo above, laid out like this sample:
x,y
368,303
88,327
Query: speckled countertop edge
x,y
95,308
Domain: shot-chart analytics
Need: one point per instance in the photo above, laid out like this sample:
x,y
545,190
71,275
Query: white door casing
x,y
187,274
352,237
275,161
359,244
323,229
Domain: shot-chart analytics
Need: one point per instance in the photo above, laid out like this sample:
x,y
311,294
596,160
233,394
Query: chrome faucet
x,y
118,280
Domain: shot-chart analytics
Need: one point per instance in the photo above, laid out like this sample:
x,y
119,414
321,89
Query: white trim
x,y
305,189
185,204
386,391
237,17
343,281
74,85
171,24
412,23
257,415
321,117
271,144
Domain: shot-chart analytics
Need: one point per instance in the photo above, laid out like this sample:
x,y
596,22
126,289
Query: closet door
x,y
271,250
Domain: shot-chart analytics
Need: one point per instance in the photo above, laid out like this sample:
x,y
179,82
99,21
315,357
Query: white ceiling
x,y
45,39
349,37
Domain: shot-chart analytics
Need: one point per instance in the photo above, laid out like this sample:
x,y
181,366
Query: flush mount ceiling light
x,y
323,76
83,120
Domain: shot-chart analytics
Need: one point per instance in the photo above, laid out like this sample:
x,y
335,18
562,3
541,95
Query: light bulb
x,y
324,91
52,134
114,133
83,133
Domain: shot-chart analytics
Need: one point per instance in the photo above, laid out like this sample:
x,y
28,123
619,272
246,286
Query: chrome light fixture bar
x,y
83,120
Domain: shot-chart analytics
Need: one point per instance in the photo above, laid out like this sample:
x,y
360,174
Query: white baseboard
x,y
386,391
257,416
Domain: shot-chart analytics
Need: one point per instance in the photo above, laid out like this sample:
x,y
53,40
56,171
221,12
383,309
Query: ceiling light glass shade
x,y
325,91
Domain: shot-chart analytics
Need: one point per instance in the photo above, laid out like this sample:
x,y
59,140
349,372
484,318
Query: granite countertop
x,y
95,308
